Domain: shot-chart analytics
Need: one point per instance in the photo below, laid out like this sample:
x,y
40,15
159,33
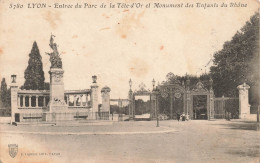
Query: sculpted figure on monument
x,y
54,56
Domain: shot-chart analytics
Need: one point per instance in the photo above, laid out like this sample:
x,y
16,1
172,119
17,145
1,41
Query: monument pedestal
x,y
57,108
57,102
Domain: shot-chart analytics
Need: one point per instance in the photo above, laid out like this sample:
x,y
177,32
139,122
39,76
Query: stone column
x,y
18,103
171,103
86,100
30,101
105,93
23,100
80,99
244,107
67,97
94,96
44,101
14,107
75,100
36,105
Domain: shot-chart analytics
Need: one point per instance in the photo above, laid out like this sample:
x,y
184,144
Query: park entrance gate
x,y
197,110
132,100
183,99
179,96
173,93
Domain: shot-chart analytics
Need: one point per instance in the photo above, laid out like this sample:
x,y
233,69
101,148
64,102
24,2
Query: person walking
x,y
183,116
187,117
229,116
178,116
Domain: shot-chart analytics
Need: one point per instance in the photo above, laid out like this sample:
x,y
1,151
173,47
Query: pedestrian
x,y
178,116
228,116
183,116
187,117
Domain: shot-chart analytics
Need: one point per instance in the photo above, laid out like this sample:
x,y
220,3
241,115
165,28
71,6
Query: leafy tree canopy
x,y
238,62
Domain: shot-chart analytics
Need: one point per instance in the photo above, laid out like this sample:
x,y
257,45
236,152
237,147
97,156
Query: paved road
x,y
193,141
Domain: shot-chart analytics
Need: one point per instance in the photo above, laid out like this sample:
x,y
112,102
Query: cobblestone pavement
x,y
192,141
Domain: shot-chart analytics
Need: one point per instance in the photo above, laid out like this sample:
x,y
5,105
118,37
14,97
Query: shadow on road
x,y
251,152
241,125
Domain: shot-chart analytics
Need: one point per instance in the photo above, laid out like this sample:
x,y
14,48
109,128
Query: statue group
x,y
54,56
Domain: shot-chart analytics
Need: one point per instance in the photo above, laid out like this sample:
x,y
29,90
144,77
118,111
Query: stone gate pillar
x,y
211,104
153,107
130,105
244,107
105,93
188,104
94,96
14,93
188,100
211,100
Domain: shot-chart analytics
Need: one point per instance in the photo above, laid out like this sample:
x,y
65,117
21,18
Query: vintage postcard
x,y
129,81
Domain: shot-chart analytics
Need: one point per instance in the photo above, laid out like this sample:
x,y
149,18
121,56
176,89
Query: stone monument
x,y
57,103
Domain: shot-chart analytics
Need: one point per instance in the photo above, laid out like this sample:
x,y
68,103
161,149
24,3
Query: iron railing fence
x,y
225,105
102,115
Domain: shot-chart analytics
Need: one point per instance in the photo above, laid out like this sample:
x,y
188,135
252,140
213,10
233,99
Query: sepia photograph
x,y
136,81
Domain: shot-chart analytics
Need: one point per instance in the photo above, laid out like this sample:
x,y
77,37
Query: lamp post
x,y
130,107
156,96
210,83
188,94
130,84
119,111
153,82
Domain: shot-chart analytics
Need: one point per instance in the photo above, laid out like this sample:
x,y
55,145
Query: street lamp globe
x,y
153,82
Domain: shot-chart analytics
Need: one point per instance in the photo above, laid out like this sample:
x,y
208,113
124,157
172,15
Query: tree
x,y
34,75
5,101
3,93
238,62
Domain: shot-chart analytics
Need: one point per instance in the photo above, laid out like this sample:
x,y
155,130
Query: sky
x,y
118,44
